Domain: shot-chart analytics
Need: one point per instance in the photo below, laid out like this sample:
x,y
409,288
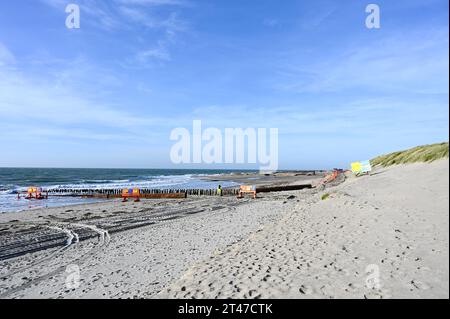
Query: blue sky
x,y
109,94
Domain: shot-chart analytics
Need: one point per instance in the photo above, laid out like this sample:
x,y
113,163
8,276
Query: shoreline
x,y
231,180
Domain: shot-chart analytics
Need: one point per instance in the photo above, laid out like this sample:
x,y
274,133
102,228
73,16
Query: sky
x,y
109,93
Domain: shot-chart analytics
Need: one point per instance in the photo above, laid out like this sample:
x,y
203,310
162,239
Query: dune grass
x,y
424,153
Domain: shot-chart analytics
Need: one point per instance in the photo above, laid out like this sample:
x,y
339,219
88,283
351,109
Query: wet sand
x,y
273,179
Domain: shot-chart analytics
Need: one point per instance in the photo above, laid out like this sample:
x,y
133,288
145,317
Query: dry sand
x,y
393,225
136,263
282,245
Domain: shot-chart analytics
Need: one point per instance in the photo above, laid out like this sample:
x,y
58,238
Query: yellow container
x,y
356,167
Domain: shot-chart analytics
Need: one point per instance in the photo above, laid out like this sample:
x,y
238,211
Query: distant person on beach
x,y
219,190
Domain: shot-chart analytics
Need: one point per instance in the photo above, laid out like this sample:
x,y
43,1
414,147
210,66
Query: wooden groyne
x,y
147,196
144,193
166,193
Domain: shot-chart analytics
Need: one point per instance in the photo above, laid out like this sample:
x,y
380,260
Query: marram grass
x,y
424,153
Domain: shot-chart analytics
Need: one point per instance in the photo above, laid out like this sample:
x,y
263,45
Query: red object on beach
x,y
131,193
35,193
331,177
247,189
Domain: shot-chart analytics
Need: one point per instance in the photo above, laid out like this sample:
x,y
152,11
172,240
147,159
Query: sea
x,y
14,180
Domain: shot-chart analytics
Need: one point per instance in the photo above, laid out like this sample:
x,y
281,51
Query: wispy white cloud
x,y
316,14
170,25
357,117
6,57
139,16
23,99
128,14
56,3
118,14
51,105
159,53
270,22
141,87
396,63
102,14
153,2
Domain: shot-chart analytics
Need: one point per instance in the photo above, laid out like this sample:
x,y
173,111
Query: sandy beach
x,y
392,225
395,221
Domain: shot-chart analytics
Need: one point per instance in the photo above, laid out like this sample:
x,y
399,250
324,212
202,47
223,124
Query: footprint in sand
x,y
306,290
419,285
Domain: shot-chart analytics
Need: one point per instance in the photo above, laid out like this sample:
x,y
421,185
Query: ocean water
x,y
13,180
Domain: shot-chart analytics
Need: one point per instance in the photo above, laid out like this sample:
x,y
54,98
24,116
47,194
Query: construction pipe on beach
x,y
282,188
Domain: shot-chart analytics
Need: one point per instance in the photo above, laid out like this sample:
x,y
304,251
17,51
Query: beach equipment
x,y
366,167
356,167
131,193
34,193
363,167
247,189
331,177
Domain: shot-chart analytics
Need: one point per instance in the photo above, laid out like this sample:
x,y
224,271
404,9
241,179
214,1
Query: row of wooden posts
x,y
155,193
174,193
143,191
